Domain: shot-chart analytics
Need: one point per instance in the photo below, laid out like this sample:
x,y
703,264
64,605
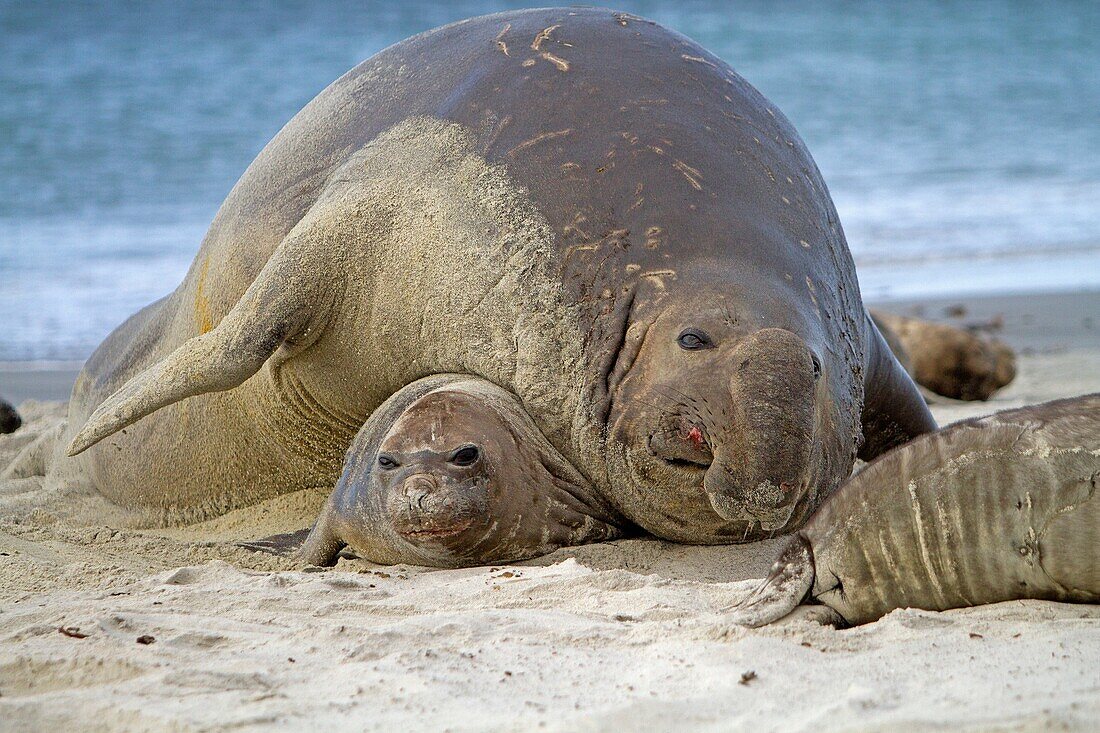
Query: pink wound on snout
x,y
695,435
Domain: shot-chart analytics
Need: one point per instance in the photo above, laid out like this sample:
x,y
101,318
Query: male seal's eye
x,y
465,456
387,462
692,339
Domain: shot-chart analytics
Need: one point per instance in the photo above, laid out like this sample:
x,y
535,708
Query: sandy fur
x,y
418,258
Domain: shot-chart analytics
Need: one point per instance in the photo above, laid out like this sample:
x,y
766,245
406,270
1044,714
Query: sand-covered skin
x,y
621,635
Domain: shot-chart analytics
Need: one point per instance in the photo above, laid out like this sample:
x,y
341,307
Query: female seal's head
x,y
460,475
434,471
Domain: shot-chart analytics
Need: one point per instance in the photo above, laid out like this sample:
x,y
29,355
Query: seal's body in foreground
x,y
582,207
451,471
986,510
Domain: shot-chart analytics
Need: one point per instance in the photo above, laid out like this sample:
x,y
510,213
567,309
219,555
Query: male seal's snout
x,y
763,461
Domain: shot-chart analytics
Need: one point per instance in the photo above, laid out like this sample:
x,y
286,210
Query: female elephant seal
x,y
449,472
987,510
946,360
580,206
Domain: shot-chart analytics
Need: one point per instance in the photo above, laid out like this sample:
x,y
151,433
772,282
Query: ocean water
x,y
960,140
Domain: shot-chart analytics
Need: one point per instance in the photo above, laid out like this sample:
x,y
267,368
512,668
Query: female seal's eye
x,y
465,456
387,462
692,339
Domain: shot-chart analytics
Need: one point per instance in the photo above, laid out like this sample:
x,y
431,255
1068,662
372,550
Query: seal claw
x,y
787,585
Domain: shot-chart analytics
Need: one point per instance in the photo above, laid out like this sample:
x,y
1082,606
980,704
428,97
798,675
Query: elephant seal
x,y
580,206
986,510
949,361
9,418
449,472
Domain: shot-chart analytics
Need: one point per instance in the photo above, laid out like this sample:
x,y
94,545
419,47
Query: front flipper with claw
x,y
787,585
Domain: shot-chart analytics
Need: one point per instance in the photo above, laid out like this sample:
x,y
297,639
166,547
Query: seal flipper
x,y
894,412
278,544
787,585
323,544
281,303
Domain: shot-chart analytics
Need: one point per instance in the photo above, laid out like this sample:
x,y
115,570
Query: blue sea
x,y
960,140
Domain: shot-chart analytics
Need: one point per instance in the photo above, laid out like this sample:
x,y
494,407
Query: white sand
x,y
626,635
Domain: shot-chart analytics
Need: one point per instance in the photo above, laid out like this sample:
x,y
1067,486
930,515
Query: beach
x,y
107,629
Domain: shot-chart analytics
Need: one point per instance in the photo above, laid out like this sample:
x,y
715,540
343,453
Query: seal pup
x,y
9,418
949,361
581,206
986,510
451,472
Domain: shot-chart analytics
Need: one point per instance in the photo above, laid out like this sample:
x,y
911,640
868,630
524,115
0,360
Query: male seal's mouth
x,y
686,463
684,447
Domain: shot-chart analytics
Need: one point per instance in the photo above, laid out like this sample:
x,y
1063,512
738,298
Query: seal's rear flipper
x,y
787,585
282,303
894,411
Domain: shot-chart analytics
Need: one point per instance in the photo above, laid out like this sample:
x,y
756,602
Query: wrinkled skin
x,y
450,472
582,187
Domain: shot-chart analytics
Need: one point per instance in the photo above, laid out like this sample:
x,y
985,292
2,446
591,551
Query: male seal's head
x,y
451,471
738,423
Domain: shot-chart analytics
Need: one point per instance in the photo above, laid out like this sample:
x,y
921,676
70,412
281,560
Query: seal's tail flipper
x,y
787,585
281,303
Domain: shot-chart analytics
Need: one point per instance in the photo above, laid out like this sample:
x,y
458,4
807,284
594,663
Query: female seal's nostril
x,y
416,488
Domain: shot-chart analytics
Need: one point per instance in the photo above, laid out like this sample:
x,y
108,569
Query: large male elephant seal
x,y
586,209
448,472
986,510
